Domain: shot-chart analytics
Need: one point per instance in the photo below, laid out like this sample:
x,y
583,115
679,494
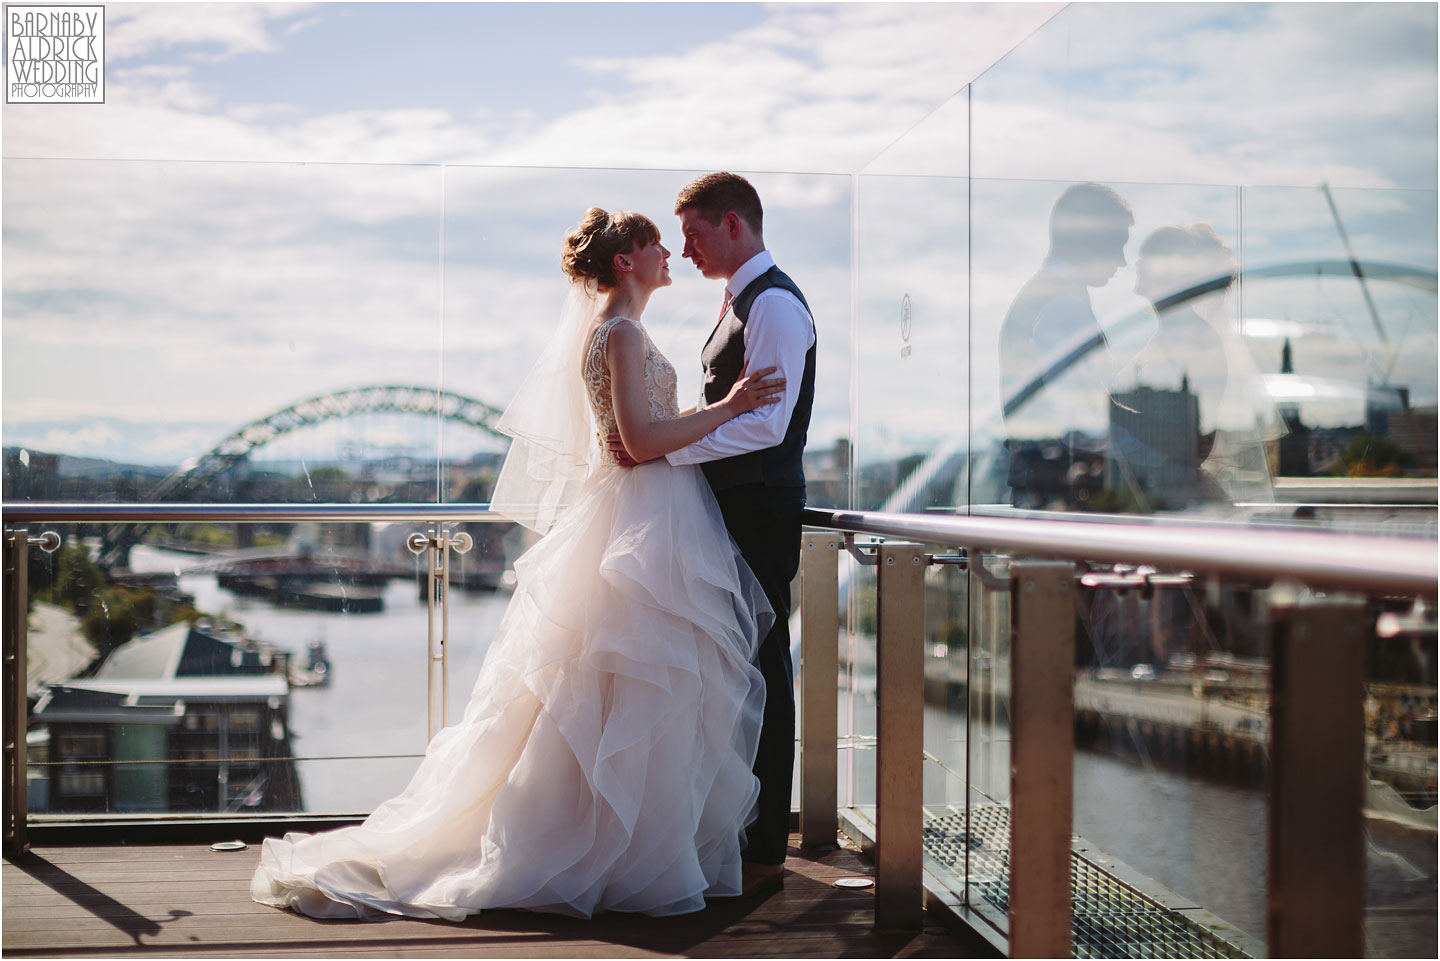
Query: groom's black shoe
x,y
761,878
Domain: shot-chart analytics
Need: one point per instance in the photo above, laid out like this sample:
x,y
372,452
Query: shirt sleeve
x,y
778,334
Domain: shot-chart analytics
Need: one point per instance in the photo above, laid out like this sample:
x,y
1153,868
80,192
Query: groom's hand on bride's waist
x,y
618,451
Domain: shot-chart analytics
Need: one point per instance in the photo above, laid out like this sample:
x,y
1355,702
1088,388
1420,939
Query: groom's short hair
x,y
714,195
1085,213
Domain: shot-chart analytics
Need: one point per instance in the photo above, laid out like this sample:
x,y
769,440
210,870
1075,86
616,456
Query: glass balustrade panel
x,y
1222,93
975,845
912,368
286,676
1171,767
1400,794
858,716
1340,318
220,332
1087,398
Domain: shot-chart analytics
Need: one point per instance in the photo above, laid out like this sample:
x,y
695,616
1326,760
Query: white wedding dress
x,y
604,759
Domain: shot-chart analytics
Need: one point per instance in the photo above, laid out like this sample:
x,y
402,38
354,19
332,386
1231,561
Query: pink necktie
x,y
725,306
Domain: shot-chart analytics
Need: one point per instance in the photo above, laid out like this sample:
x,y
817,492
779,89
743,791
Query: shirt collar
x,y
748,271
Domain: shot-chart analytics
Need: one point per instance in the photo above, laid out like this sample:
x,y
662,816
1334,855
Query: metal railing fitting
x,y
436,544
867,555
986,574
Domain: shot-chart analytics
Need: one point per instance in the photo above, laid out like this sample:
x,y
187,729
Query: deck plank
x,y
188,901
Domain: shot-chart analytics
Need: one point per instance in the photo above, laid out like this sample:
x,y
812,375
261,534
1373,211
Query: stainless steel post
x,y
899,729
436,545
1042,749
432,558
1317,754
819,672
445,627
16,591
222,777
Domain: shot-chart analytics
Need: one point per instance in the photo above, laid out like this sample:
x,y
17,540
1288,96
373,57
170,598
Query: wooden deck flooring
x,y
184,899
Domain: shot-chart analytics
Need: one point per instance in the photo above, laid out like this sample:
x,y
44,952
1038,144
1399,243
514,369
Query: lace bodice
x,y
659,381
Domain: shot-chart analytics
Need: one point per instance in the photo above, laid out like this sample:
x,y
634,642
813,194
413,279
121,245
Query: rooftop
x,y
184,899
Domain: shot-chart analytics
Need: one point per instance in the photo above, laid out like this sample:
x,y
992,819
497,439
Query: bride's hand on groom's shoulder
x,y
618,451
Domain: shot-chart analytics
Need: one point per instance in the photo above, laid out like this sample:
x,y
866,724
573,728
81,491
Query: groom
x,y
753,461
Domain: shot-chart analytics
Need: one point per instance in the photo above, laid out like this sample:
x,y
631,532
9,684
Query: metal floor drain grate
x,y
1109,918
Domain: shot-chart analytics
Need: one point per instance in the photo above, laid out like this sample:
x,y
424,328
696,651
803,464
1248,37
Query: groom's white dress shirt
x,y
778,334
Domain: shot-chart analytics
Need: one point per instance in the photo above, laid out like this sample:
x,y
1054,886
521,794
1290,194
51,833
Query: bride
x,y
603,762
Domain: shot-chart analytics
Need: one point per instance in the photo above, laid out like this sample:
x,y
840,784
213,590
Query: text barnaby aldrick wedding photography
x,y
55,54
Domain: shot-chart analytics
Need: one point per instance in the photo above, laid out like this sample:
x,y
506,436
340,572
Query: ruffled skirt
x,y
604,759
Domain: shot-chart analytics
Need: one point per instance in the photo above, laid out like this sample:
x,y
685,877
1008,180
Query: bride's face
x,y
652,265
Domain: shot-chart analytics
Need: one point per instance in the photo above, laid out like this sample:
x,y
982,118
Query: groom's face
x,y
707,245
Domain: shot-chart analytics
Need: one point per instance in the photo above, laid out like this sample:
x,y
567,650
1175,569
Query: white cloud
x,y
168,86
812,88
1295,94
1208,93
133,30
79,441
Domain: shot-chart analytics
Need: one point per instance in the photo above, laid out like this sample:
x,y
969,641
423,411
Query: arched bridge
x,y
194,476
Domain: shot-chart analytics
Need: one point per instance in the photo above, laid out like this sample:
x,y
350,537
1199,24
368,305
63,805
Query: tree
x,y
111,620
1369,456
77,578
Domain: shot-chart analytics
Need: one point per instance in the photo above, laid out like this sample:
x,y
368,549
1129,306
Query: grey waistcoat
x,y
723,358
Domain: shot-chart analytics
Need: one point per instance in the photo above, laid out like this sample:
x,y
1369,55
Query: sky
x,y
279,200
648,84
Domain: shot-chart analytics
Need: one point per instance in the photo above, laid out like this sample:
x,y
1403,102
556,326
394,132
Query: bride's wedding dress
x,y
604,759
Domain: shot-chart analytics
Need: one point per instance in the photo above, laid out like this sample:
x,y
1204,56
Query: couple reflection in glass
x,y
1180,422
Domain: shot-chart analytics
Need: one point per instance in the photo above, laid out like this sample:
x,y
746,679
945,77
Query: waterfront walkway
x,y
184,899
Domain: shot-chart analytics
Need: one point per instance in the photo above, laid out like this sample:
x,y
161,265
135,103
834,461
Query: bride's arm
x,y
646,439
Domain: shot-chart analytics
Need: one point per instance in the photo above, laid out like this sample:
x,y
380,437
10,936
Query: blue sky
x,y
459,57
760,86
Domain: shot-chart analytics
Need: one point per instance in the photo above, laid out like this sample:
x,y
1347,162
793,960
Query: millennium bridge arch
x,y
944,464
194,477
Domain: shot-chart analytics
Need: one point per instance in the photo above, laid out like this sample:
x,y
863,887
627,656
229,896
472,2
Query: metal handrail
x,y
28,512
1399,565
1386,565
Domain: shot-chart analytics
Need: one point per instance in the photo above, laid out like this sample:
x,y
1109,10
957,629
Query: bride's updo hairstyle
x,y
590,249
1184,256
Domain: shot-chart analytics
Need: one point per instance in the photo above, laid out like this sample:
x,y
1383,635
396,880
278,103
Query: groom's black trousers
x,y
765,523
